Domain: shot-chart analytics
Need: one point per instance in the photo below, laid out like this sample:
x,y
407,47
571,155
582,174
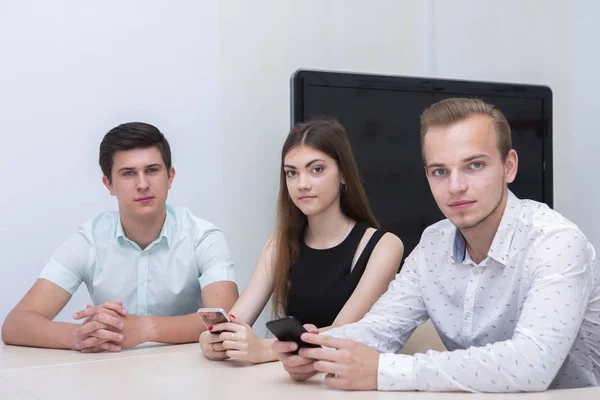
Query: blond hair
x,y
453,110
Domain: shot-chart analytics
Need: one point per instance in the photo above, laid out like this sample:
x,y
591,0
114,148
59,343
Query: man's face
x,y
465,170
140,181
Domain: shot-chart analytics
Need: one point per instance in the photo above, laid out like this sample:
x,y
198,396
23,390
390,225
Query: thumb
x,y
311,328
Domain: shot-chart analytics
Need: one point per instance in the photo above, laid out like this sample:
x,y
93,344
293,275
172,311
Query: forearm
x,y
182,329
27,328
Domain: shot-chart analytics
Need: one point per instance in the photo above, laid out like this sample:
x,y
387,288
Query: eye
x,y
439,172
128,173
317,169
151,170
476,165
290,173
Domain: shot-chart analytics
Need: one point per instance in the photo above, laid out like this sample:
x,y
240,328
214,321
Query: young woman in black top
x,y
326,263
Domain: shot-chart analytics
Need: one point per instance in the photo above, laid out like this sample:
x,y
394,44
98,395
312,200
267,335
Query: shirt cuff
x,y
396,372
59,275
217,274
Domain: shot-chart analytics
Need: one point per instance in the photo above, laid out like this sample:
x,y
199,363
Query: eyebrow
x,y
466,160
308,164
155,165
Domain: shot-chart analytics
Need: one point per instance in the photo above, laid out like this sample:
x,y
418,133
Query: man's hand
x,y
349,365
102,328
300,368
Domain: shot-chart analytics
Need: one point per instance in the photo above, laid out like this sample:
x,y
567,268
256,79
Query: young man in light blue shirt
x,y
147,267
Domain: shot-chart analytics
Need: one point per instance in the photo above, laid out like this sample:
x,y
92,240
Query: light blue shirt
x,y
165,278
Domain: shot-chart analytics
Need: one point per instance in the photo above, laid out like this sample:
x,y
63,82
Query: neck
x,y
143,231
480,237
327,229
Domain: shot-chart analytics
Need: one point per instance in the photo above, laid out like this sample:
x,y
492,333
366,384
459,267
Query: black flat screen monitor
x,y
381,115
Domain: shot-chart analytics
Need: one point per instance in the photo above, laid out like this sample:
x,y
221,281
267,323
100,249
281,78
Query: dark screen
x,y
383,128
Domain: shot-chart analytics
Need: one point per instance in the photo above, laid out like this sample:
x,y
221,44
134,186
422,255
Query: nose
x,y
303,182
142,182
457,183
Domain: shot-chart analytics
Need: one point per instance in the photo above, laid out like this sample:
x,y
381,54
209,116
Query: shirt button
x,y
475,272
468,314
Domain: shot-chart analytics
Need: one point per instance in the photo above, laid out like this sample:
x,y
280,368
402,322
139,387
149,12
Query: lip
x,y
306,198
461,204
145,200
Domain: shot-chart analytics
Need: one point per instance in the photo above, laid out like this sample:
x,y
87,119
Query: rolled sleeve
x,y
214,259
68,266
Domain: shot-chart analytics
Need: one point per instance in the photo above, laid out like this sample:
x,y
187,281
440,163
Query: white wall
x,y
262,43
69,72
521,41
585,110
215,77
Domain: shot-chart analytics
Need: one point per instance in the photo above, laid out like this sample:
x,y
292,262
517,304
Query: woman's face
x,y
313,179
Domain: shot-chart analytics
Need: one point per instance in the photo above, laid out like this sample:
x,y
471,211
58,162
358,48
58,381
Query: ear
x,y
171,176
343,180
108,185
510,166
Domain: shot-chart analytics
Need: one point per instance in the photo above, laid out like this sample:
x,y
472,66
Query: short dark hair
x,y
129,136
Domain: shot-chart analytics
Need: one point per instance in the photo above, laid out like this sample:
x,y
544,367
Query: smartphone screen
x,y
289,329
212,316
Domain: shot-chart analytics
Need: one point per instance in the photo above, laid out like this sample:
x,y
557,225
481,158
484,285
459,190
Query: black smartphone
x,y
289,329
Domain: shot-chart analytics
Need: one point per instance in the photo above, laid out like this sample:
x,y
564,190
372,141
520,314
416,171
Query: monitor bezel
x,y
303,78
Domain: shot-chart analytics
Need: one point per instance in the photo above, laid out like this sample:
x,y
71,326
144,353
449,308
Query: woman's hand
x,y
212,346
240,342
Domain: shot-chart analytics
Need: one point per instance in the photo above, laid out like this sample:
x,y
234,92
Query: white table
x,y
179,372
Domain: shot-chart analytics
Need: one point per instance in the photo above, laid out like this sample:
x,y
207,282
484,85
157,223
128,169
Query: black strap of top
x,y
368,250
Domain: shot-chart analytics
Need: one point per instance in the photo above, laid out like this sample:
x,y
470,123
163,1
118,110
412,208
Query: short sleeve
x,y
68,266
213,259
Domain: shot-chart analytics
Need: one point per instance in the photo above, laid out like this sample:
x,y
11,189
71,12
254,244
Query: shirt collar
x,y
502,242
166,232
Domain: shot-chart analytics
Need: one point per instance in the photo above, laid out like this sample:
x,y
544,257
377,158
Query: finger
x,y
109,320
115,306
337,382
89,342
329,367
302,377
238,355
301,370
284,347
109,346
108,335
326,340
88,328
218,347
228,326
88,312
231,345
91,350
296,361
321,354
311,328
232,336
216,355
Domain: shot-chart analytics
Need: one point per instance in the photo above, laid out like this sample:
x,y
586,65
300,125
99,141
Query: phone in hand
x,y
289,329
212,316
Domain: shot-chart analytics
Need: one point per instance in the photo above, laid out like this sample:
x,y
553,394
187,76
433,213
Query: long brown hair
x,y
328,136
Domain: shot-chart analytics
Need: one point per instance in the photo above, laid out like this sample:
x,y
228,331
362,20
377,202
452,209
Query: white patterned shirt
x,y
526,318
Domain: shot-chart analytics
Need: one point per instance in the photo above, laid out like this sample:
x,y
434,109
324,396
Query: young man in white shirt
x,y
511,286
147,267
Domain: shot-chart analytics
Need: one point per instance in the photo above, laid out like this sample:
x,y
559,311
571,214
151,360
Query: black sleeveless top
x,y
322,281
